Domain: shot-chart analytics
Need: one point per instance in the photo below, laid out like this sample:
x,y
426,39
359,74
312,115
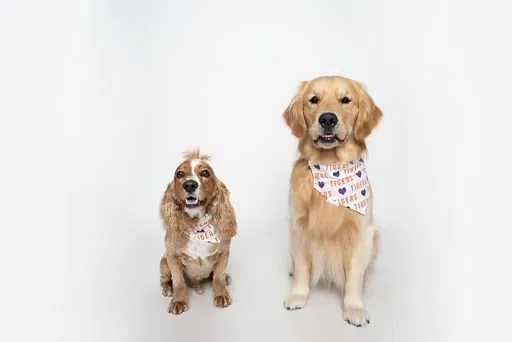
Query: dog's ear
x,y
294,113
369,114
167,203
223,213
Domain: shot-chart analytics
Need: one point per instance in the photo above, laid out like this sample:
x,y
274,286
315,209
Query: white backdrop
x,y
99,99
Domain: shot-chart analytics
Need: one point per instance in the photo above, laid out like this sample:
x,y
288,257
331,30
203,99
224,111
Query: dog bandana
x,y
204,231
342,183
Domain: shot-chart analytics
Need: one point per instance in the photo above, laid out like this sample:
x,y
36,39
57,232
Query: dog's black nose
x,y
328,120
190,186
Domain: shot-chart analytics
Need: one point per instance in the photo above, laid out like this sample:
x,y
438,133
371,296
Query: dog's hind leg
x,y
165,278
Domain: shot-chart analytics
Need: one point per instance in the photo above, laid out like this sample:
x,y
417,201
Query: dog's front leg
x,y
221,298
354,309
301,278
179,302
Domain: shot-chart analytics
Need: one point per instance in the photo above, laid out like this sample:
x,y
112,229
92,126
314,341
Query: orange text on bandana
x,y
342,183
204,231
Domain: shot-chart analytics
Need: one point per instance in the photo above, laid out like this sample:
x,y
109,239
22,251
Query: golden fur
x,y
177,269
330,243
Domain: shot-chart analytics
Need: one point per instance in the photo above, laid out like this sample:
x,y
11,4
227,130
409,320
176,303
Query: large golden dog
x,y
332,232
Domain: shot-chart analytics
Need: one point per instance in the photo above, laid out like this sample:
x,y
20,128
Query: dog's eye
x,y
345,100
205,173
313,100
180,174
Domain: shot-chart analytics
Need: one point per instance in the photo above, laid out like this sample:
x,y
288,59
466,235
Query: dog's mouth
x,y
327,139
192,202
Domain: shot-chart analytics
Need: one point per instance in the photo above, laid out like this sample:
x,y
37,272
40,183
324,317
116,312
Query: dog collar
x,y
204,231
342,183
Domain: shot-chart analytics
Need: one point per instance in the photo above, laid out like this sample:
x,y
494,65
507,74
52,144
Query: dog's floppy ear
x,y
369,114
223,213
294,113
168,206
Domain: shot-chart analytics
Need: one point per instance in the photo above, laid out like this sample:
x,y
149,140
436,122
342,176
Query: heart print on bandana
x,y
342,183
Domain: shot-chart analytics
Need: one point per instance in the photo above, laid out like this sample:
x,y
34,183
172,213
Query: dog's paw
x,y
167,290
356,316
222,301
294,302
177,307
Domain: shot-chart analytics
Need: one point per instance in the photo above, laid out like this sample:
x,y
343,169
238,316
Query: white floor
x,y
126,303
260,282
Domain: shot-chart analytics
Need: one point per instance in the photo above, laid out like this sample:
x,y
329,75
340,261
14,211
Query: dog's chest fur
x,y
201,250
199,259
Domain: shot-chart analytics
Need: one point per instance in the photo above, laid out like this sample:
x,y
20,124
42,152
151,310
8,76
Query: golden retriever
x,y
199,223
333,237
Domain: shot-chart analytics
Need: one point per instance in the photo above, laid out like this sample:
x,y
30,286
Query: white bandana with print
x,y
342,183
204,231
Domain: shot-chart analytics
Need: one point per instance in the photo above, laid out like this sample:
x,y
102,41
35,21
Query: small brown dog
x,y
199,223
332,231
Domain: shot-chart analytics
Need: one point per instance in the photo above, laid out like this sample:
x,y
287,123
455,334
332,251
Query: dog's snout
x,y
190,186
328,120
